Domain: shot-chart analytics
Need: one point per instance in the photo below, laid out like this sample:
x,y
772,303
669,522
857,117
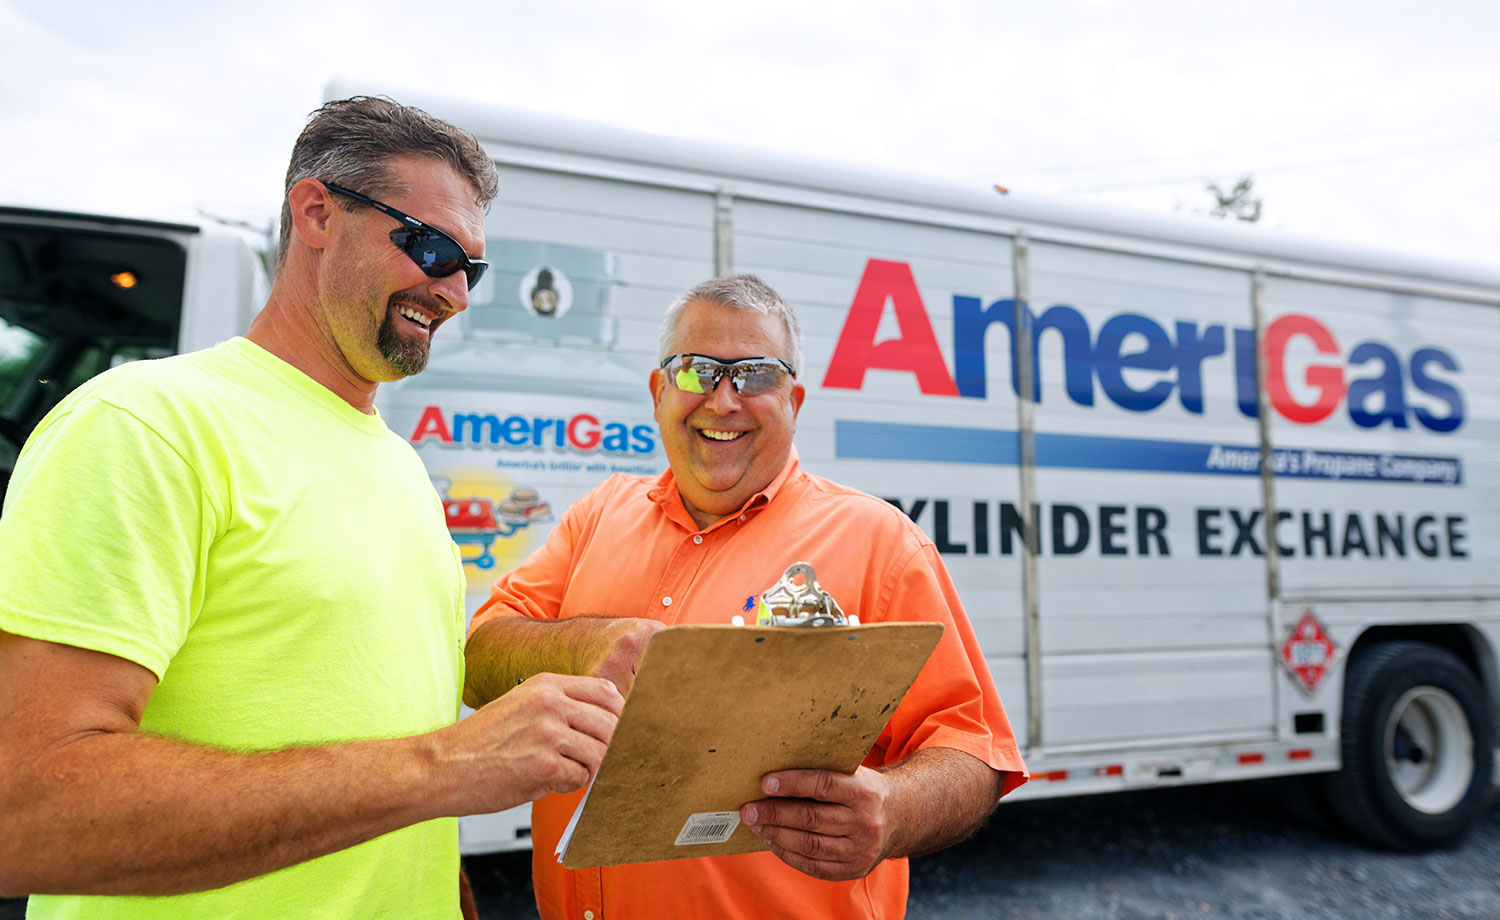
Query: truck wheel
x,y
1416,745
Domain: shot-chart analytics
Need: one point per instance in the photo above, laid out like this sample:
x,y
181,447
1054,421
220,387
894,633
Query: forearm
x,y
148,815
90,805
466,906
505,651
938,797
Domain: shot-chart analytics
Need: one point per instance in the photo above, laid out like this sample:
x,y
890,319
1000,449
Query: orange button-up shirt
x,y
630,548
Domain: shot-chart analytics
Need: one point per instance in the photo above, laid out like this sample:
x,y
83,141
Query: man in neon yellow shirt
x,y
231,618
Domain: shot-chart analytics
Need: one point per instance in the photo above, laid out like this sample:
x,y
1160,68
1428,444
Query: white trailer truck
x,y
1220,504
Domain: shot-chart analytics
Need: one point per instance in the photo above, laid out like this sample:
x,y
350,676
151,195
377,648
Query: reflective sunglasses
x,y
436,253
701,374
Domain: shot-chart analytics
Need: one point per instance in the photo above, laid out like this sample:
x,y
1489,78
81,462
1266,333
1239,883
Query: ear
x,y
799,393
657,382
312,212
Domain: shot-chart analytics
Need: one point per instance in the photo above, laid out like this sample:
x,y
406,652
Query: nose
x,y
452,290
723,398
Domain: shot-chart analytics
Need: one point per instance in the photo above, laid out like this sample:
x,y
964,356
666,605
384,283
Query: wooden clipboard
x,y
713,709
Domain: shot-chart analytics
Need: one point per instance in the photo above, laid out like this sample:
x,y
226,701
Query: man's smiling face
x,y
381,308
724,447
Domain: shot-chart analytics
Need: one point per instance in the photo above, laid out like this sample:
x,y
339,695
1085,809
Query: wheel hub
x,y
1428,749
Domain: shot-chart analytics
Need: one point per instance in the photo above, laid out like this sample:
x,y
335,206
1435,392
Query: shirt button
x,y
666,601
742,519
697,538
588,915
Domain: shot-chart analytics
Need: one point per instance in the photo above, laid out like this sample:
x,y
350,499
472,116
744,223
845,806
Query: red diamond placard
x,y
1308,652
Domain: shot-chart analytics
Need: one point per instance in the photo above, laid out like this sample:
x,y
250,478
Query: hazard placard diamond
x,y
1308,652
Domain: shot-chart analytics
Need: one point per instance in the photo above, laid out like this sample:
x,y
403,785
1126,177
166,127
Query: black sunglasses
x,y
436,253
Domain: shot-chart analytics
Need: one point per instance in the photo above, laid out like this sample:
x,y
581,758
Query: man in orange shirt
x,y
694,546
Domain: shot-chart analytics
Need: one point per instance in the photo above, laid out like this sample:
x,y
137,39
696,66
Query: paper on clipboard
x,y
713,709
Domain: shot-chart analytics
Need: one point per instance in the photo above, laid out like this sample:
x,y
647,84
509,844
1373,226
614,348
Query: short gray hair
x,y
352,142
738,292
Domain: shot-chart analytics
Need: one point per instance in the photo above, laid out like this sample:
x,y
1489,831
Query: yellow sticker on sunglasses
x,y
688,382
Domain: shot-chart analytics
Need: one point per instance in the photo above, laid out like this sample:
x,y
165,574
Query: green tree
x,y
1239,201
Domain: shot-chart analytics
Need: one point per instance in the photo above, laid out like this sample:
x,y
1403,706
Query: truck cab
x,y
80,294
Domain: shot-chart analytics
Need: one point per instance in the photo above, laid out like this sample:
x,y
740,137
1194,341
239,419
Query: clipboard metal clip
x,y
790,603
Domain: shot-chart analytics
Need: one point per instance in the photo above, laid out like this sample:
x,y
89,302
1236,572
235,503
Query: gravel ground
x,y
1229,852
1237,851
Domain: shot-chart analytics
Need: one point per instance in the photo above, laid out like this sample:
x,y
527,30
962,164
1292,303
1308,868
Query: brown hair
x,y
351,142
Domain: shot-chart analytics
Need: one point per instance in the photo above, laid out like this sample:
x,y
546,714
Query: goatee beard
x,y
408,355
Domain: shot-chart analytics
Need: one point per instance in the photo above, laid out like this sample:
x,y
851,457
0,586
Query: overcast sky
x,y
1369,122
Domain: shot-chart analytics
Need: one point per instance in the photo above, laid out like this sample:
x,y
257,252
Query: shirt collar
x,y
666,495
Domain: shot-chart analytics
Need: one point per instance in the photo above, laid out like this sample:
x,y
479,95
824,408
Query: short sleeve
x,y
104,539
535,588
953,702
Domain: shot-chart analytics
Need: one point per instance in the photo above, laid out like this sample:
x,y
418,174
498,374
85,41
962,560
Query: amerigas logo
x,y
582,433
1374,382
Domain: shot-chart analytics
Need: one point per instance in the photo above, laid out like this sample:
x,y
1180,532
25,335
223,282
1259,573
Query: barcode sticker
x,y
708,827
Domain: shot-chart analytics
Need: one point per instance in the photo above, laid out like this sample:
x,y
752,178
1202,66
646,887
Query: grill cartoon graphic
x,y
478,522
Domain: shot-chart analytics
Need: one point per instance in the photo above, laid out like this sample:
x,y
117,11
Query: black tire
x,y
1416,746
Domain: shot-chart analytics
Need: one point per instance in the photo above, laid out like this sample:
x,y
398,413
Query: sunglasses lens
x,y
437,255
755,379
691,376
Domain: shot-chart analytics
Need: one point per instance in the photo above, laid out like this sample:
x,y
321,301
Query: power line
x,y
1404,131
1270,170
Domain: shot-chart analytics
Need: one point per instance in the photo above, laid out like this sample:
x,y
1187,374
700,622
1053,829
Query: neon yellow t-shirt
x,y
280,561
